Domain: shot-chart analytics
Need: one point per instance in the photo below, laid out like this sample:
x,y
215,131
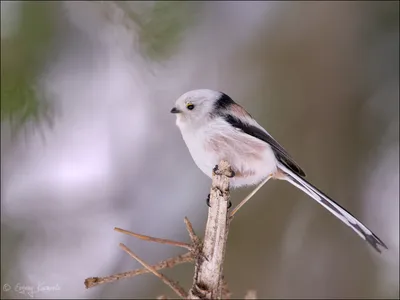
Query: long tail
x,y
333,207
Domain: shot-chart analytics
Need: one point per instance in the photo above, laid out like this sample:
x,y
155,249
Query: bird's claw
x,y
215,169
208,202
228,174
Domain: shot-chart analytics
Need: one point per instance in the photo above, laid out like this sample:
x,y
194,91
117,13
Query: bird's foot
x,y
230,173
215,170
208,202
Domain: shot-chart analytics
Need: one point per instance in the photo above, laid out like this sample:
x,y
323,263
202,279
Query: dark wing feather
x,y
256,132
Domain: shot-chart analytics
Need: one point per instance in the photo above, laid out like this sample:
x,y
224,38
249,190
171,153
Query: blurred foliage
x,y
22,56
161,28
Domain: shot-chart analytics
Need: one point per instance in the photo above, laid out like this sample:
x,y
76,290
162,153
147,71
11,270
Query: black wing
x,y
279,151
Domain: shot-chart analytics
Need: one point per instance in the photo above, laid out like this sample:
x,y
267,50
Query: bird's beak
x,y
175,111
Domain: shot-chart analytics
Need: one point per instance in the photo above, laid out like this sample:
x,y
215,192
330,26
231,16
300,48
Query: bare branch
x,y
209,255
173,285
168,263
207,282
154,239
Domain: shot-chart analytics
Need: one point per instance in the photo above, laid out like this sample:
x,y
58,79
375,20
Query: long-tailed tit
x,y
214,127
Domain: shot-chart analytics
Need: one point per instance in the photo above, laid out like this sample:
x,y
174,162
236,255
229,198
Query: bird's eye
x,y
189,106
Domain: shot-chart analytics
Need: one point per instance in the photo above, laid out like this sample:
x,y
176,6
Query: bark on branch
x,y
208,255
207,282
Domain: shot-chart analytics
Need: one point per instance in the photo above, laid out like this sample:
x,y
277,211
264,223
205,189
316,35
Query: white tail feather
x,y
333,207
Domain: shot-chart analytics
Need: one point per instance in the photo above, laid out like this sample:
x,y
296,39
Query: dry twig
x,y
153,239
168,263
248,197
208,282
173,285
193,237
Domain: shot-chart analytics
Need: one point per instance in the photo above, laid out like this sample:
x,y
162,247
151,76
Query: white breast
x,y
195,141
248,156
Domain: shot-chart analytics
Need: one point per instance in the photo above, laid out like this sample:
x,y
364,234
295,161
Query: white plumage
x,y
210,143
214,128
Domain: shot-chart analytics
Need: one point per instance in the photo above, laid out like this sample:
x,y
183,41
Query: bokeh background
x,y
88,143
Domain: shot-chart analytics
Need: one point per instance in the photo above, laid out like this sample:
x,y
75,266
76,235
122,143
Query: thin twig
x,y
196,241
208,282
154,239
173,285
194,238
243,202
168,263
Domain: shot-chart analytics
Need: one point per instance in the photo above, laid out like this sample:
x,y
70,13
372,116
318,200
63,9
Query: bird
x,y
215,128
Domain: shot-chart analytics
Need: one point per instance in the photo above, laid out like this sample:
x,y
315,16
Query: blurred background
x,y
88,143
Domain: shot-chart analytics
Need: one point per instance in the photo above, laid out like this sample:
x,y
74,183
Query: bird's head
x,y
195,107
